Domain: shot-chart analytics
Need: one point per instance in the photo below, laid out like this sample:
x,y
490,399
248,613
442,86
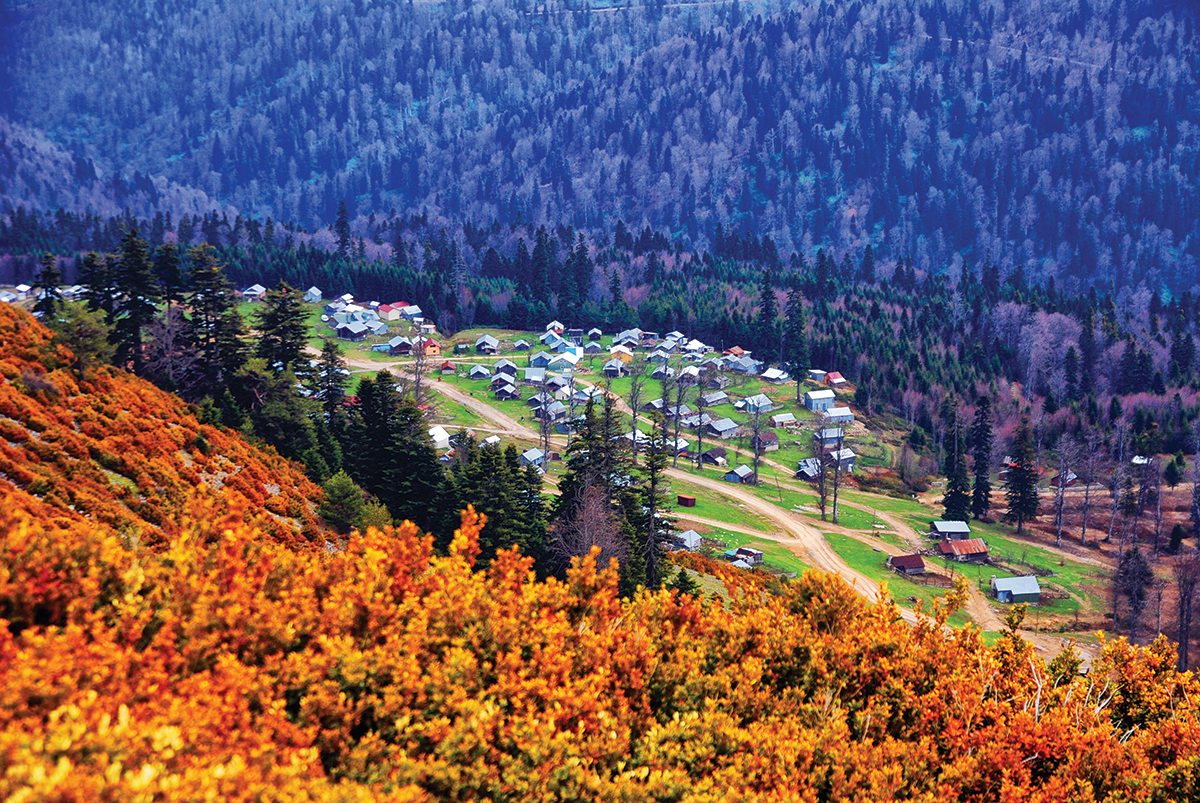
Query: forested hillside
x,y
1061,136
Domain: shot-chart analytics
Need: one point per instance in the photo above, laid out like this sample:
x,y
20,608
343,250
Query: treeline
x,y
1059,137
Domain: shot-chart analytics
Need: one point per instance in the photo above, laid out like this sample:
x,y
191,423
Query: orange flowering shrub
x,y
114,449
226,665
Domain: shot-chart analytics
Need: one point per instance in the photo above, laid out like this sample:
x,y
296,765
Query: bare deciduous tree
x,y
637,383
591,525
1093,457
1186,566
1068,455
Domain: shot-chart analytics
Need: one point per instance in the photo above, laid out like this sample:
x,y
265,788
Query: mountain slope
x,y
113,449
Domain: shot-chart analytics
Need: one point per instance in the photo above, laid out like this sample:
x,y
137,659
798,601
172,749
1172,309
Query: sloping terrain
x,y
110,448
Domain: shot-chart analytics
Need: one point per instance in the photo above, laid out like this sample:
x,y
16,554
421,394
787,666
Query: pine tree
x,y
796,356
330,380
168,269
98,276
138,292
217,328
981,450
342,505
342,229
768,312
282,323
48,285
1020,486
653,528
957,500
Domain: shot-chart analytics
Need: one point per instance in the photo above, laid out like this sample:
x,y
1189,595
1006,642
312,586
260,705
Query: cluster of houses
x,y
356,321
23,292
955,542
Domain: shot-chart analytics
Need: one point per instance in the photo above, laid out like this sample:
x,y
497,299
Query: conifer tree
x,y
981,449
342,229
49,288
330,381
957,500
1020,486
342,505
654,527
282,322
217,328
98,276
138,296
796,356
168,269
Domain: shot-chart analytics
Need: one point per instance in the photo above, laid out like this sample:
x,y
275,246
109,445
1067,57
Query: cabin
x,y
440,438
844,458
1067,481
765,442
377,328
556,327
1016,589
715,398
354,330
689,539
742,474
906,564
541,359
662,372
829,437
614,368
411,312
313,295
486,344
835,379
575,336
715,456
429,346
722,428
387,312
254,292
758,403
972,550
754,557
816,375
506,367
819,400
479,372
521,345
808,469
563,362
775,376
534,376
951,530
783,420
533,457
501,379
592,348
594,334
507,392
400,346
447,368
839,415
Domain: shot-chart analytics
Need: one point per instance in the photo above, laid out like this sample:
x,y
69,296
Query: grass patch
x,y
865,560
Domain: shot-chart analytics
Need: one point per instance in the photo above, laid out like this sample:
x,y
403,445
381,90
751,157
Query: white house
x,y
775,375
440,437
840,415
253,293
313,295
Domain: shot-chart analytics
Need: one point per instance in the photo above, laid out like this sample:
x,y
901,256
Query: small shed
x,y
313,295
816,375
440,437
533,457
447,368
775,376
808,469
834,379
715,456
685,500
689,539
765,441
741,474
783,420
594,334
507,393
953,530
1016,589
906,564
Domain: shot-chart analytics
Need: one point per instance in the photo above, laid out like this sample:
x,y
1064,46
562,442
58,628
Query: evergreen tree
x,y
768,312
653,528
981,450
330,380
48,286
168,269
1020,486
217,328
342,506
282,323
796,357
138,293
342,229
957,500
98,276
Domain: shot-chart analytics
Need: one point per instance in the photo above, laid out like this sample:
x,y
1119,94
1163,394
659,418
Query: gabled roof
x,y
1017,585
724,424
907,562
487,340
742,471
819,394
950,527
969,546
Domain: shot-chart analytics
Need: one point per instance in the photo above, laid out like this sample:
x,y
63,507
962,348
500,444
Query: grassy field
x,y
872,564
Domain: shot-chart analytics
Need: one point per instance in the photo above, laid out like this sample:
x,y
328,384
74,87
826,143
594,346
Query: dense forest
x,y
1058,136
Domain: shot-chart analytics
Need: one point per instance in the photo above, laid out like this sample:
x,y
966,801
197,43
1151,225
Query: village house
x,y
254,292
716,456
507,392
534,376
411,312
808,469
594,334
521,345
354,330
758,403
1016,589
816,375
447,368
387,312
906,564
689,539
952,530
614,368
555,326
765,441
835,379
775,376
313,295
506,367
400,346
440,438
972,550
722,428
754,557
715,398
829,437
844,458
819,400
533,457
486,344
742,474
479,372
839,415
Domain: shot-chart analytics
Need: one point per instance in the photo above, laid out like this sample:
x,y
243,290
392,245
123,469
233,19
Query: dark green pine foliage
x,y
957,500
391,457
981,451
795,343
282,323
768,312
48,286
651,525
99,278
596,457
329,382
217,328
168,269
342,505
1020,486
138,294
496,484
280,416
342,229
